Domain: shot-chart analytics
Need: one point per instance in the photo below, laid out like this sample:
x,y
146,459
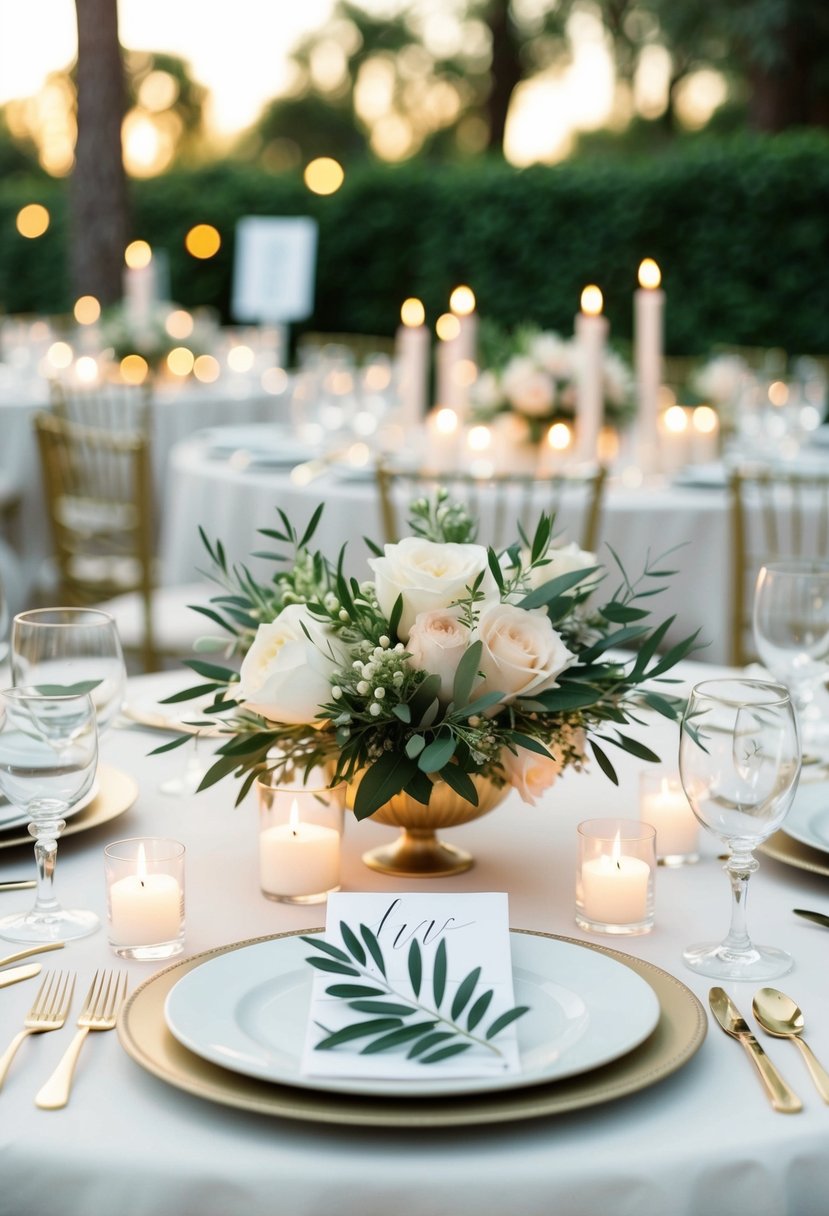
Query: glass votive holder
x,y
615,876
663,803
145,897
300,837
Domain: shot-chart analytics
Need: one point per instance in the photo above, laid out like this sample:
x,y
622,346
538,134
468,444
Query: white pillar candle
x,y
705,435
648,308
442,440
145,909
298,858
456,366
591,330
667,809
412,344
615,889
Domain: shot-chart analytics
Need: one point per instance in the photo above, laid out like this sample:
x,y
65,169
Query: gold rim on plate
x,y
117,792
678,1035
791,852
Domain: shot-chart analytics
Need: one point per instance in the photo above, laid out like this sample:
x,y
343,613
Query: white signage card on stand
x,y
273,272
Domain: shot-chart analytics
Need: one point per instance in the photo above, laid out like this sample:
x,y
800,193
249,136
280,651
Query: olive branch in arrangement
x,y
434,1038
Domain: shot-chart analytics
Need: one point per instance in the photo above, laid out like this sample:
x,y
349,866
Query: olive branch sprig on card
x,y
438,1035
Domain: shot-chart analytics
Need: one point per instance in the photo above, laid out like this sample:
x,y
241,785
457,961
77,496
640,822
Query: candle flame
x,y
676,420
293,818
616,854
592,301
412,313
479,438
559,436
137,255
650,276
446,421
141,864
705,420
462,301
778,392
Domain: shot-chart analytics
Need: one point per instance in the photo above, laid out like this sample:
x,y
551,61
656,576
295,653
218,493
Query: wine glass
x,y
48,758
63,648
791,634
739,761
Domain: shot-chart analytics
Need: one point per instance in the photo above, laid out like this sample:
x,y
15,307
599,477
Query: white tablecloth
x,y
704,1140
231,504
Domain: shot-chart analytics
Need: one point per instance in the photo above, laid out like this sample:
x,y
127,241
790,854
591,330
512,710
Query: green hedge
x,y
740,228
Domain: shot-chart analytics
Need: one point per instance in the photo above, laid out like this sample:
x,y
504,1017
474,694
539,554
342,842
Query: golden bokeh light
x,y
778,392
32,220
464,372
705,420
275,380
134,369
462,301
203,241
86,369
559,436
180,361
412,312
179,324
60,355
447,327
479,439
650,276
676,420
158,91
138,254
446,421
240,358
324,175
87,310
207,369
592,301
149,141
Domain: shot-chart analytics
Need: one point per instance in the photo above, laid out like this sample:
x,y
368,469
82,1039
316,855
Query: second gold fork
x,y
100,1012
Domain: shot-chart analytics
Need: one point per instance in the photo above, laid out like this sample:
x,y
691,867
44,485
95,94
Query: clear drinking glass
x,y
791,634
69,646
48,758
739,760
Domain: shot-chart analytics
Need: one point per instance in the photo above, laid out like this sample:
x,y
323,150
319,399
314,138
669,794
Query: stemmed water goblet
x,y
48,758
71,648
791,635
739,761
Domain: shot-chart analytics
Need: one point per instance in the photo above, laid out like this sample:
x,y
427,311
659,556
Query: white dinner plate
x,y
808,819
11,817
247,1012
703,476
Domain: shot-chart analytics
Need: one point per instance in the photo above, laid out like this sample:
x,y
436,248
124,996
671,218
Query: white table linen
x,y
703,1140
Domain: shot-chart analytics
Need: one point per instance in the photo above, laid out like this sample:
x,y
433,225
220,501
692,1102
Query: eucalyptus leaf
x,y
429,1040
396,1038
465,990
415,962
387,1008
359,1030
353,943
332,965
373,947
319,943
506,1019
443,1053
349,991
439,973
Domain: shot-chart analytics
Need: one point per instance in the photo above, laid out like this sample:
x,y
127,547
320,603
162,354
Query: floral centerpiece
x,y
150,337
449,664
532,376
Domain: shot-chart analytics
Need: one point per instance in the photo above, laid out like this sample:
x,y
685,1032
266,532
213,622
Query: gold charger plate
x,y
117,792
678,1035
791,852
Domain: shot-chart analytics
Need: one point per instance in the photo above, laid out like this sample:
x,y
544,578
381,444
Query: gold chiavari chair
x,y
501,501
107,406
774,515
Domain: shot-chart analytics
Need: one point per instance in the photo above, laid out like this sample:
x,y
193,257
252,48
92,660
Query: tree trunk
x,y
98,189
507,72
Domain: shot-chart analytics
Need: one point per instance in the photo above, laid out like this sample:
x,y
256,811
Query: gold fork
x,y
51,1005
100,1012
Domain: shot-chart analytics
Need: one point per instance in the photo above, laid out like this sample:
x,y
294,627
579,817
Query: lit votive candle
x,y
614,884
145,897
662,803
299,841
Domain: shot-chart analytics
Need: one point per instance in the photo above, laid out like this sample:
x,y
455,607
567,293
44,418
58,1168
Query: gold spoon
x,y
780,1016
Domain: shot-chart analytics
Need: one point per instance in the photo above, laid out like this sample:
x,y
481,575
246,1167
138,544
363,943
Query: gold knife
x,y
23,884
819,918
19,973
782,1097
15,958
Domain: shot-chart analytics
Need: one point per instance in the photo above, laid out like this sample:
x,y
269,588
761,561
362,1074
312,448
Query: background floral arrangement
x,y
533,373
452,660
150,338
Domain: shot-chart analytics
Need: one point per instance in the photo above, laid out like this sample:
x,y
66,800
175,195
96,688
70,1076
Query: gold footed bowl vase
x,y
417,852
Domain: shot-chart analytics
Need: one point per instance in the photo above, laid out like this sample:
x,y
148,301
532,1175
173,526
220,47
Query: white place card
x,y
273,268
467,932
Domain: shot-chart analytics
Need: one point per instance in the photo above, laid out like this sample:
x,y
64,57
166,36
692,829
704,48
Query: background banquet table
x,y
702,1140
231,501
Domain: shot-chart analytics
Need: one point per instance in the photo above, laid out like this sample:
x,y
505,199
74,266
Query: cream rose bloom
x,y
528,388
529,773
522,654
437,643
428,575
286,676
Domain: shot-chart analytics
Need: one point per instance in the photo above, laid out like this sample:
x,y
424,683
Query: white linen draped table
x,y
704,1140
232,502
175,415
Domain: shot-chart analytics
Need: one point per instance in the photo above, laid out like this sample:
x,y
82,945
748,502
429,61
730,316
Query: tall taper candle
x,y
412,358
649,306
591,334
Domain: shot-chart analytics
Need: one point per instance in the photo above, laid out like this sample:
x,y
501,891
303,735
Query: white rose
x,y
562,560
522,653
487,391
286,676
529,773
437,643
428,575
554,354
529,389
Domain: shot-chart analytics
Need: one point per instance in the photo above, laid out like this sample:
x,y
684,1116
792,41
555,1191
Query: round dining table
x,y
232,494
700,1139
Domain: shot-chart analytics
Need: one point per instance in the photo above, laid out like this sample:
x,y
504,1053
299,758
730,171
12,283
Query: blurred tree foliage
x,y
738,226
